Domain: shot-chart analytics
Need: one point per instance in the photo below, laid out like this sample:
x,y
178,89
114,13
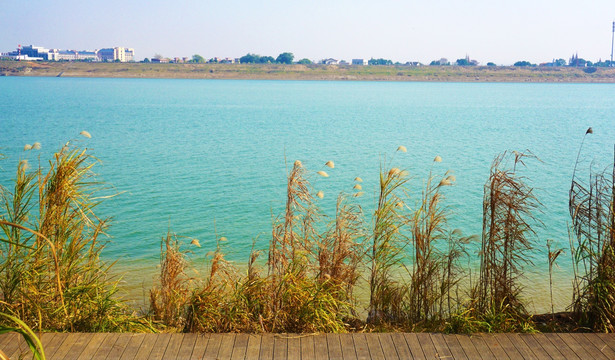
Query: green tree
x,y
491,63
266,60
196,58
304,61
285,58
381,61
463,62
559,62
146,60
249,59
523,63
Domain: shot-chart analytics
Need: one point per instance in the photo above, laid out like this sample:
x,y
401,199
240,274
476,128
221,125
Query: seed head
x,y
394,171
27,147
451,178
402,148
437,159
223,239
445,182
195,242
359,194
330,164
320,194
297,163
358,179
322,173
358,187
36,146
589,131
86,134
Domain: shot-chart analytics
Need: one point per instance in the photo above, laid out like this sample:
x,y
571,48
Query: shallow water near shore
x,y
206,157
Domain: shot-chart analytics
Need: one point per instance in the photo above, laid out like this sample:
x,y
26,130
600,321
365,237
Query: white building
x,y
120,54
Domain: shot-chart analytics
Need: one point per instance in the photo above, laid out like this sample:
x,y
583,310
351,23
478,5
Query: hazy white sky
x,y
486,30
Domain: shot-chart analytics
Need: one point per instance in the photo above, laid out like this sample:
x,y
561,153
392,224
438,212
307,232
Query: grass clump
x,y
51,275
509,205
591,206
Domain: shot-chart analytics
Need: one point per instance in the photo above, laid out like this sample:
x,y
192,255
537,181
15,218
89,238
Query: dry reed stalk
x,y
508,208
591,207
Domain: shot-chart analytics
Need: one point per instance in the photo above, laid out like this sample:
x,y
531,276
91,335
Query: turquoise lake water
x,y
194,155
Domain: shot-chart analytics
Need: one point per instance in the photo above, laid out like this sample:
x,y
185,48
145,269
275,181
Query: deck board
x,y
187,346
359,346
307,347
375,349
415,346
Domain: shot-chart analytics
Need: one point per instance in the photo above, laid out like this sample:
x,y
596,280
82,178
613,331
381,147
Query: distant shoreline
x,y
309,72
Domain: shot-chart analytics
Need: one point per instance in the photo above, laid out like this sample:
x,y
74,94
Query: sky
x,y
485,30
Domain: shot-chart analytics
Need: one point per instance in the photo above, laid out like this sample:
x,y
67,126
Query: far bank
x,y
310,72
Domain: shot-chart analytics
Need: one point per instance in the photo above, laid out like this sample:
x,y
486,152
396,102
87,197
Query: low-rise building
x,y
359,62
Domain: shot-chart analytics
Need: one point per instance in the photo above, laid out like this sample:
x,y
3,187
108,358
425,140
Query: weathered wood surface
x,y
386,346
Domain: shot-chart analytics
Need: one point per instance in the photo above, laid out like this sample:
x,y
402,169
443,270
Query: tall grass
x,y
509,206
51,275
591,206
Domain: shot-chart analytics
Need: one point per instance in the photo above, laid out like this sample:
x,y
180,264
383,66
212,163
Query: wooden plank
x,y
20,349
64,348
185,350
454,347
388,348
82,341
429,350
601,345
442,349
360,346
294,347
608,339
160,346
481,346
508,346
213,346
547,346
200,345
133,346
468,348
103,349
561,346
335,346
46,340
148,343
348,350
240,347
11,344
280,347
254,346
521,346
399,341
92,346
175,342
582,349
414,345
267,342
494,346
320,347
6,339
307,347
226,346
120,346
533,344
373,344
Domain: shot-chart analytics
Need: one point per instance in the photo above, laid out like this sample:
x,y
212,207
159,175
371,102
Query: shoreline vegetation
x,y
53,279
310,72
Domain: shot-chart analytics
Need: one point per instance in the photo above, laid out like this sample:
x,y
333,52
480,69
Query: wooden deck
x,y
326,346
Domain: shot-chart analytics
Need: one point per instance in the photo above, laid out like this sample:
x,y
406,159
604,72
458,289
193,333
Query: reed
x,y
591,207
509,205
51,275
168,300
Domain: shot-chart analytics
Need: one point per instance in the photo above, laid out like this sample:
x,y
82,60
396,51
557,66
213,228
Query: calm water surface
x,y
201,157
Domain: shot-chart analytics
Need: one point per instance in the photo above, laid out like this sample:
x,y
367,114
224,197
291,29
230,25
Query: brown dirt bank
x,y
307,72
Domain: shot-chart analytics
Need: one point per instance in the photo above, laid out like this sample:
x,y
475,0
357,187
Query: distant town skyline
x,y
485,30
